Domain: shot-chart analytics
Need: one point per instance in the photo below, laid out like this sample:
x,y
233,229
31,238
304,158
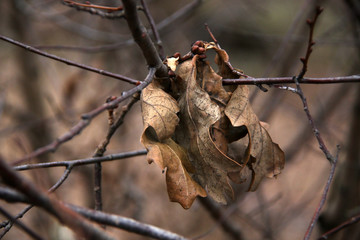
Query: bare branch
x,y
154,29
86,119
299,92
343,225
127,224
102,11
68,62
80,162
287,80
52,206
305,60
22,226
102,147
142,38
69,166
109,47
8,224
323,197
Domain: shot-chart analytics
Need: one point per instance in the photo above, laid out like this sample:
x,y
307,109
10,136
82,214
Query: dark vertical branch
x,y
97,186
142,38
154,29
333,160
305,60
100,150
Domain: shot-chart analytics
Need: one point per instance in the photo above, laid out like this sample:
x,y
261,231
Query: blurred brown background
x,y
40,99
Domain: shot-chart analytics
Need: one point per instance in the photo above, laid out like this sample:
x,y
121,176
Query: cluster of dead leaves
x,y
191,125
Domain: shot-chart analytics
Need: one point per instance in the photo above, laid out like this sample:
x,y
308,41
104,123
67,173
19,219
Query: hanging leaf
x,y
198,114
160,119
268,157
187,131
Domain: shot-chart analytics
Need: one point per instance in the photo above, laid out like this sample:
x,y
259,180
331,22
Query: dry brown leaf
x,y
198,113
159,115
189,136
269,159
171,157
159,111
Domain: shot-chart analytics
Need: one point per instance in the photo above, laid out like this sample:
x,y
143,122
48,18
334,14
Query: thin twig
x,y
100,150
9,224
110,47
80,162
305,60
86,119
154,29
89,49
64,214
68,62
110,12
299,91
212,35
324,149
90,5
288,80
343,225
323,197
315,130
22,226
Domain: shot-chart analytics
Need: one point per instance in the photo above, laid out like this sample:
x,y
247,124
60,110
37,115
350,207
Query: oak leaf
x,y
198,113
188,129
268,158
160,119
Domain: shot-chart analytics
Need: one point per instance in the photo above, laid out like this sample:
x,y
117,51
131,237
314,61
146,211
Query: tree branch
x,y
52,206
86,119
68,62
22,226
142,38
110,12
101,148
80,162
127,224
343,225
110,47
323,198
154,29
287,80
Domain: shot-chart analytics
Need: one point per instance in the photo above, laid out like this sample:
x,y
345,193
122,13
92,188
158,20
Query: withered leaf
x,y
172,158
189,136
159,111
198,113
160,119
269,159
